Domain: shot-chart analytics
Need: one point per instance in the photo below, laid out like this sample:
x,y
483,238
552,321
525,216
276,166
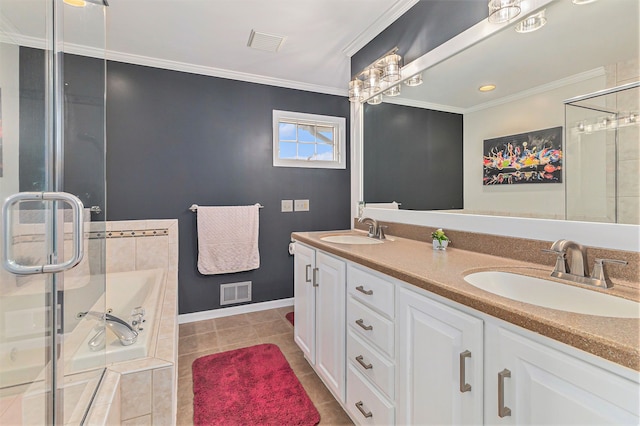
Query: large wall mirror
x,y
582,49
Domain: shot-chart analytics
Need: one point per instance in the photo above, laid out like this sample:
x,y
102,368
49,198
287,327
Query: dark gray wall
x,y
84,130
413,156
32,152
84,150
425,26
175,139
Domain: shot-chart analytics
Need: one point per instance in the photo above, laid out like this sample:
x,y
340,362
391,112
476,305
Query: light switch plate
x,y
301,205
287,206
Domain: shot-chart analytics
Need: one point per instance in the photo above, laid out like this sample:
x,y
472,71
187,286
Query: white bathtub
x,y
125,291
21,361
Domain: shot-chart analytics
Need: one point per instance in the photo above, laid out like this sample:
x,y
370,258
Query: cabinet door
x,y
440,350
304,300
330,322
544,386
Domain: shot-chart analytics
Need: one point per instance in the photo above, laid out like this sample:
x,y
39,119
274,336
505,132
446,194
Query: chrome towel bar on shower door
x,y
77,208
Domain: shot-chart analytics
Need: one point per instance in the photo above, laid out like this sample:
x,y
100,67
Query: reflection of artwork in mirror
x,y
533,157
1,163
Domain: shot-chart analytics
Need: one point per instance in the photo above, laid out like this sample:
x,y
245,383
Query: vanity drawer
x,y
372,326
371,364
371,290
366,405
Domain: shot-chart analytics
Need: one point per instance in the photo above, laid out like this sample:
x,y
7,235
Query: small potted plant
x,y
440,240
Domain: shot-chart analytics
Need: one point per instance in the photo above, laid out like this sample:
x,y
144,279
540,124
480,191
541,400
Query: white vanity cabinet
x,y
532,383
319,305
396,354
370,347
440,363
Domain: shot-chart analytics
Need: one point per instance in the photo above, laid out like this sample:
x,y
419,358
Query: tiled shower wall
x,y
628,141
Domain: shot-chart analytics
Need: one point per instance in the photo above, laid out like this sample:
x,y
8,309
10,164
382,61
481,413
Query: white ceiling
x,y
210,36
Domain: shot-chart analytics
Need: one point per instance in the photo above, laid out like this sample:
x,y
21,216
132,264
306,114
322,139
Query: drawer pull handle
x,y
360,322
307,268
361,289
366,414
503,411
464,386
360,360
316,283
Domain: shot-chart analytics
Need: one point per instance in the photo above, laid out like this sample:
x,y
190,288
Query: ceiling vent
x,y
267,42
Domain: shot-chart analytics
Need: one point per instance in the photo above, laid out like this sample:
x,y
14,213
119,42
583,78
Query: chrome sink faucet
x,y
373,225
375,230
125,333
571,264
575,257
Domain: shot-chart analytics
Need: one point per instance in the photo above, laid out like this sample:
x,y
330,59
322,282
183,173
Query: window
x,y
308,140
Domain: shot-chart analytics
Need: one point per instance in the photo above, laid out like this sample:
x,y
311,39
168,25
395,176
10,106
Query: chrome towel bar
x,y
194,207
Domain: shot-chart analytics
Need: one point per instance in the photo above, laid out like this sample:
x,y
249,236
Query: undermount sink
x,y
350,239
554,295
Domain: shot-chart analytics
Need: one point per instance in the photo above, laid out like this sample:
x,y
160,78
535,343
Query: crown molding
x,y
399,8
11,35
576,78
110,55
422,104
222,73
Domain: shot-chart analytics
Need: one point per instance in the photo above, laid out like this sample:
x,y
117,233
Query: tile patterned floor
x,y
222,334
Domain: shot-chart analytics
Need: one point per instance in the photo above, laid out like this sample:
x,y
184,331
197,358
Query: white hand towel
x,y
392,206
228,239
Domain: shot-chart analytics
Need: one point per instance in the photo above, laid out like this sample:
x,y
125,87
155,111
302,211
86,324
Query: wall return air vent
x,y
235,293
266,42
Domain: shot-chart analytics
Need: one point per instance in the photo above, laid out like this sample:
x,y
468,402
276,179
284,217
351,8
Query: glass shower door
x,y
41,332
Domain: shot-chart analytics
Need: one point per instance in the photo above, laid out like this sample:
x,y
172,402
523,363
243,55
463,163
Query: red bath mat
x,y
249,386
289,317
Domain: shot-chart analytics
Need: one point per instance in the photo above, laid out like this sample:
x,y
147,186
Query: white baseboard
x,y
234,310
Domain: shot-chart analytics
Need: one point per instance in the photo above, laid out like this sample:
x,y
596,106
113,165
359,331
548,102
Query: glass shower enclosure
x,y
602,162
52,184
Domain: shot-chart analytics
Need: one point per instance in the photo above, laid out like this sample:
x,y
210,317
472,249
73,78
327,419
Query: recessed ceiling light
x,y
263,41
76,3
487,87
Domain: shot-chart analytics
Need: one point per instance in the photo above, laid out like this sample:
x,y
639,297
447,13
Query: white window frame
x,y
338,123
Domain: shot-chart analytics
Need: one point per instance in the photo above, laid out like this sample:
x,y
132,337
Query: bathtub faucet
x,y
125,333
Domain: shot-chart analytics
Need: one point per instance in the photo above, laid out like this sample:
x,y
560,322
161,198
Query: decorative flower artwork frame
x,y
532,157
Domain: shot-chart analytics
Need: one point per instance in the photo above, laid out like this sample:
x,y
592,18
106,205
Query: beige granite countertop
x,y
442,273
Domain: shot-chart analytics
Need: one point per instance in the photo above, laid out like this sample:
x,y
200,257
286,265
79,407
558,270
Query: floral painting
x,y
532,157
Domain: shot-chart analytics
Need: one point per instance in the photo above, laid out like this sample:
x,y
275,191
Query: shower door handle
x,y
77,209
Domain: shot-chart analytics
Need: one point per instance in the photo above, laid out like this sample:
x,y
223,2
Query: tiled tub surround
x,y
144,390
442,273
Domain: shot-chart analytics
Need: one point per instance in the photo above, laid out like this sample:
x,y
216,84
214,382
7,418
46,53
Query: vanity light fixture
x,y
413,81
611,122
501,11
581,2
371,78
532,23
392,91
356,90
377,99
487,88
390,66
376,78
